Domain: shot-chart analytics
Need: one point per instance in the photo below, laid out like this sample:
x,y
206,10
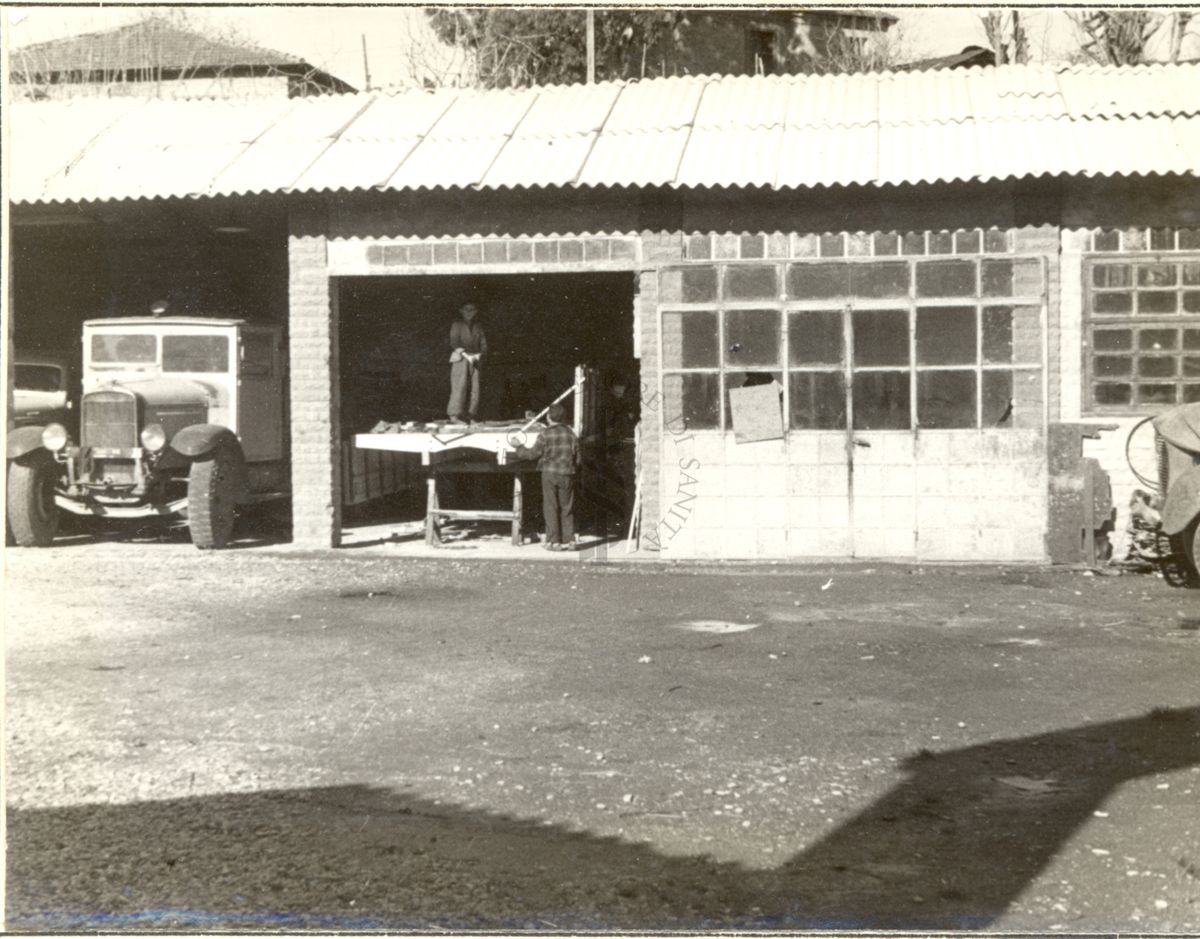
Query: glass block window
x,y
864,342
1143,330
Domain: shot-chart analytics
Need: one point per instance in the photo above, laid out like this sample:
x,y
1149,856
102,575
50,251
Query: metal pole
x,y
591,46
366,64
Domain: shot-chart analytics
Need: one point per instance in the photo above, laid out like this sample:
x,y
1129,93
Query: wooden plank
x,y
517,510
482,515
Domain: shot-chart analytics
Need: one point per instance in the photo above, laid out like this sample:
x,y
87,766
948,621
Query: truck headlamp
x,y
154,438
54,437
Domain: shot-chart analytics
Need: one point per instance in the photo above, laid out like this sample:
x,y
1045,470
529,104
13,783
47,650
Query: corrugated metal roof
x,y
781,132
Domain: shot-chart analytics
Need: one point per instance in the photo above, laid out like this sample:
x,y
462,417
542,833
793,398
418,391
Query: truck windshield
x,y
195,353
124,347
37,378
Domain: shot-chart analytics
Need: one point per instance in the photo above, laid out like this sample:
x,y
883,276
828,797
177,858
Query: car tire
x,y
212,498
32,512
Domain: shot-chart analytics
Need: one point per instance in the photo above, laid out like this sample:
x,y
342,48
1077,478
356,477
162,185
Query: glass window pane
x,y
997,278
1191,366
880,279
1189,239
1191,272
124,347
1191,338
195,354
1191,393
914,242
1134,239
946,399
881,400
941,242
1156,394
690,339
1158,339
817,400
818,281
997,334
1113,340
880,337
946,279
997,399
1191,301
1156,301
886,242
946,336
967,242
1162,239
815,338
995,241
750,283
1112,303
1112,275
692,400
1156,275
752,337
1107,240
699,284
1157,366
1113,366
833,246
1108,394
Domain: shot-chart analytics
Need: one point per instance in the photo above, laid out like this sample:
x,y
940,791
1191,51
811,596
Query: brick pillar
x,y
650,436
313,355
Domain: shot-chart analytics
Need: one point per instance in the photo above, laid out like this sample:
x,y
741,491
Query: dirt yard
x,y
263,738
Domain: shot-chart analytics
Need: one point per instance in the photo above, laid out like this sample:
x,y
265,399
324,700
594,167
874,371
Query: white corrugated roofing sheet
x,y
715,131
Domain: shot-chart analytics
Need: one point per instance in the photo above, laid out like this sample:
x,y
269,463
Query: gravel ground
x,y
265,738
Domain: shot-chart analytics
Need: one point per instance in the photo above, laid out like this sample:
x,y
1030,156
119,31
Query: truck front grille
x,y
109,420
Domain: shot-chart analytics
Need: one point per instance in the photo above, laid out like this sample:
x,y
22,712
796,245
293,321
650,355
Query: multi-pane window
x,y
871,345
1143,332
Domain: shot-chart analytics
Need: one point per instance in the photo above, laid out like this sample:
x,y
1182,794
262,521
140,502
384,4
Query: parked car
x,y
179,415
41,391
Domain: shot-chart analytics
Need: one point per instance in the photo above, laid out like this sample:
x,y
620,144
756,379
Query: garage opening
x,y
395,376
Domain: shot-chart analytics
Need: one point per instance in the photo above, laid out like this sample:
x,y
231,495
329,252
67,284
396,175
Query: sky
x,y
332,37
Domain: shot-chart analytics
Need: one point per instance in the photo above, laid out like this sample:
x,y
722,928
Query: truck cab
x,y
179,415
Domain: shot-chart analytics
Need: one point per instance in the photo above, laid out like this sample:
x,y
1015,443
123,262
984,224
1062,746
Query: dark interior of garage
x,y
394,351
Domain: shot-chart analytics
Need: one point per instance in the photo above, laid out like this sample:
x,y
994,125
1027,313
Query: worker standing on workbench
x,y
469,344
557,453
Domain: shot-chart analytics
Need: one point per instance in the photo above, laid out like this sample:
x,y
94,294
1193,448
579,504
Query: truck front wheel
x,y
32,514
212,498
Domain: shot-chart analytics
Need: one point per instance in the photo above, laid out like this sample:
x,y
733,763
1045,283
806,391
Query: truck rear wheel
x,y
32,514
212,498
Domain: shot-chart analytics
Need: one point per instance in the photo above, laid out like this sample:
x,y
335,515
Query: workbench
x,y
452,449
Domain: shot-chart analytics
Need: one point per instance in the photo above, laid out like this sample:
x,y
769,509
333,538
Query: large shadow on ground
x,y
950,847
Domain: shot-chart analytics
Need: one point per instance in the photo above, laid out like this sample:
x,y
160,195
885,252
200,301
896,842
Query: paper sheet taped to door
x,y
757,413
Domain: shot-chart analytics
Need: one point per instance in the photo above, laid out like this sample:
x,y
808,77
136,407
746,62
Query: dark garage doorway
x,y
394,351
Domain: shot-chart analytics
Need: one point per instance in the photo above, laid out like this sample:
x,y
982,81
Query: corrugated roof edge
x,y
604,187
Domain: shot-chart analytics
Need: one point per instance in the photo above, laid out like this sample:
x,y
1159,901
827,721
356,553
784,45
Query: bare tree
x,y
1007,36
1124,37
846,50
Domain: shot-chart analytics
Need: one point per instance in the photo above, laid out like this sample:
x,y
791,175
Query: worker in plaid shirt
x,y
557,453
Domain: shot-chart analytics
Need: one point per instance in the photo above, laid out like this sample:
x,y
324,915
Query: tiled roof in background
x,y
778,132
152,41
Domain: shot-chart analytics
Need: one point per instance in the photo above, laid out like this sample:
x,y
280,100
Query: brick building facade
x,y
925,336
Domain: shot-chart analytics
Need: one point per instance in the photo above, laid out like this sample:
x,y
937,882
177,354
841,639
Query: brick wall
x,y
313,338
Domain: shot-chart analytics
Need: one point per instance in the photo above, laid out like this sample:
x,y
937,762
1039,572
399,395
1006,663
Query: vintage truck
x,y
178,416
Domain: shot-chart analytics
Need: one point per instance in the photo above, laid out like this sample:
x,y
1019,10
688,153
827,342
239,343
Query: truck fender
x,y
23,440
1183,502
201,439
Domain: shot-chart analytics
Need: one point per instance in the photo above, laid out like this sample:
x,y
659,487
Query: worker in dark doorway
x,y
621,413
557,453
469,345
